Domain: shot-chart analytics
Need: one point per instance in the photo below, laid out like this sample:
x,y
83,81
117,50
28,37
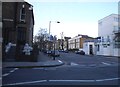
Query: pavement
x,y
43,61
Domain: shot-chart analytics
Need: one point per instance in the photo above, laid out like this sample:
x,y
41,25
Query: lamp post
x,y
50,28
54,39
50,25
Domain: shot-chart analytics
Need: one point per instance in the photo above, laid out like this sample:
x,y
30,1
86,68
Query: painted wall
x,y
106,26
86,47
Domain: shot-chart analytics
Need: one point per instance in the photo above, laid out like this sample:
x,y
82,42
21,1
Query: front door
x,y
91,49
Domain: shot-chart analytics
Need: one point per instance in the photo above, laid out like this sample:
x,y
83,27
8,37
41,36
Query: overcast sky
x,y
75,17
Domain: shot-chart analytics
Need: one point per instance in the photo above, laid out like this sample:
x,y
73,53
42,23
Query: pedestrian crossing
x,y
101,64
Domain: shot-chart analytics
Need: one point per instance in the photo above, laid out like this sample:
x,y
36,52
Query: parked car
x,y
48,52
77,52
81,52
55,53
66,51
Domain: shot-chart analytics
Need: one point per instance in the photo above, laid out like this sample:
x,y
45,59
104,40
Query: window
x,y
116,19
100,23
108,39
102,39
115,27
98,47
22,14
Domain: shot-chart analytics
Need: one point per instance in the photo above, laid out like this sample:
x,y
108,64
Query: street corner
x,y
61,62
54,63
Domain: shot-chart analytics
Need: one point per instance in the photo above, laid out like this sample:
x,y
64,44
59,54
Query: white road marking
x,y
16,68
71,80
22,83
107,79
6,74
13,70
73,64
106,63
31,82
0,78
99,80
59,61
10,72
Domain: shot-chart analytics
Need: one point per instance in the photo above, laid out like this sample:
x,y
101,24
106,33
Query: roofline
x,y
107,16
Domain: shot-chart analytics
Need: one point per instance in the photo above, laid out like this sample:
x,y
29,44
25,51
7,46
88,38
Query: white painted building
x,y
109,33
89,47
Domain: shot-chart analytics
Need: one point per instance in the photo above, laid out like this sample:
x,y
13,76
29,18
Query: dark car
x,y
81,52
66,51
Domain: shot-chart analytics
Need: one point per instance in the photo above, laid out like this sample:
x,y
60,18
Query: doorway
x,y
91,49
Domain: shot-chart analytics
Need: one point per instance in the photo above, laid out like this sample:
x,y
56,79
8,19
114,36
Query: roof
x,y
107,16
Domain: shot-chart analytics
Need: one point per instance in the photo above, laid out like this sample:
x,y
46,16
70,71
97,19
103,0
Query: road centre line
x,y
22,83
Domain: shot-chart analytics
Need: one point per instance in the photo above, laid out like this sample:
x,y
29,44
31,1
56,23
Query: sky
x,y
74,17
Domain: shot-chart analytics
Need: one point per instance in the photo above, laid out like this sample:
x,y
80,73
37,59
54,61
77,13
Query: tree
x,y
41,39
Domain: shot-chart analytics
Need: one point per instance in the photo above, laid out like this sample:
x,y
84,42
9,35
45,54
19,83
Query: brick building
x,y
0,31
18,24
77,42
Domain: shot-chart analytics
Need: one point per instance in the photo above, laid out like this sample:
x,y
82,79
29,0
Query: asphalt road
x,y
78,70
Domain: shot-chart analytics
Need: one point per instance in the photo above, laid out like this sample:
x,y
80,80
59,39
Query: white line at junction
x,y
6,74
99,80
22,83
71,80
40,81
106,63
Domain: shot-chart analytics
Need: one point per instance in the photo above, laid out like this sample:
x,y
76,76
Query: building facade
x,y
109,33
77,42
89,47
0,31
66,45
18,24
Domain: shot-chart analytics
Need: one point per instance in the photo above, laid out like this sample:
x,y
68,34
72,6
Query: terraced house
x,y
77,42
18,25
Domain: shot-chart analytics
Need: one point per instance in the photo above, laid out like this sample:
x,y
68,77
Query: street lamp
x,y
54,36
50,25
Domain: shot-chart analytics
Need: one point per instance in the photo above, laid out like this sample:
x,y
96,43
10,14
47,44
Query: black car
x,y
81,52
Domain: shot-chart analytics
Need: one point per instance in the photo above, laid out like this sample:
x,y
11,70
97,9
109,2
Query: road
x,y
78,70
